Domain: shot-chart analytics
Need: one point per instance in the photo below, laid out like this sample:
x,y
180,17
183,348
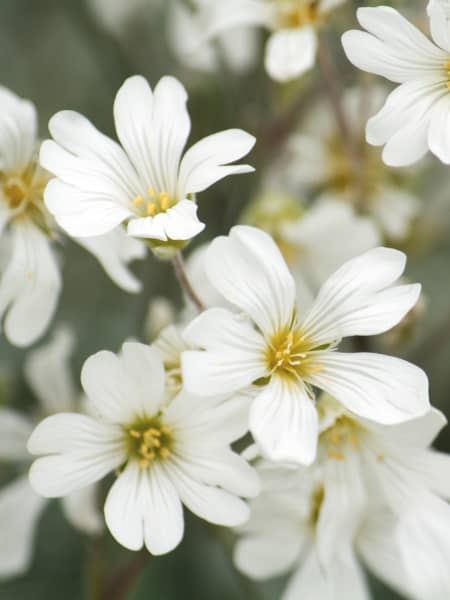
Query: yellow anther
x,y
164,200
336,455
152,192
164,453
134,433
151,209
138,200
381,457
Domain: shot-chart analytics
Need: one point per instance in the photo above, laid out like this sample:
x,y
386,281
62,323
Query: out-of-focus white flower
x,y
47,372
146,184
238,48
315,241
284,352
316,160
291,47
168,454
117,16
415,117
357,503
30,283
160,314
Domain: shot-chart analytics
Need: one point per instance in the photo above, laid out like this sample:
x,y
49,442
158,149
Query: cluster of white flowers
x,y
335,467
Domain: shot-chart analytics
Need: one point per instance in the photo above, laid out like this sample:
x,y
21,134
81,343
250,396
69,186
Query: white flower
x,y
146,184
316,161
30,282
285,353
314,240
167,454
292,45
321,522
415,117
238,48
48,374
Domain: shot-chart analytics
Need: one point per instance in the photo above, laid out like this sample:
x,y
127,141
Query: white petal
x,y
221,467
178,223
126,386
114,251
153,128
283,421
221,16
439,131
30,284
357,299
234,357
48,373
82,451
208,502
261,555
248,269
83,213
439,23
20,509
15,430
18,131
290,52
409,145
88,159
207,161
82,511
143,506
381,388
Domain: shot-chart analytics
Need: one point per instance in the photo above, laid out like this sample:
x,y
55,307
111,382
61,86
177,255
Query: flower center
x,y
153,204
149,440
297,13
24,193
341,436
290,354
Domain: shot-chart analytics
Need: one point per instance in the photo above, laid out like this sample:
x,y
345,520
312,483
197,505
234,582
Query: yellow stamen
x,y
138,200
164,200
151,209
152,192
336,455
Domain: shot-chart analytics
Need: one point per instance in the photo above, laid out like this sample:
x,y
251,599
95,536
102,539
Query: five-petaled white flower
x,y
166,453
285,354
30,283
416,115
291,48
358,502
146,184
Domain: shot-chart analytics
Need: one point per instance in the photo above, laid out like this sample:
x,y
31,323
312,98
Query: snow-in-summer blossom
x,y
47,372
316,162
238,48
354,505
146,183
292,45
166,453
416,115
285,352
30,281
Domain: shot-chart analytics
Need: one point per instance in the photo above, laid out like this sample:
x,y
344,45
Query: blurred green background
x,y
57,54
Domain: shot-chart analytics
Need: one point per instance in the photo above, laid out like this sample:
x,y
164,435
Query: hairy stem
x,y
183,279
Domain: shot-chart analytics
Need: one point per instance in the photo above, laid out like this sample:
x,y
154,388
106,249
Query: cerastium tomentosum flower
x,y
145,183
416,115
166,453
286,354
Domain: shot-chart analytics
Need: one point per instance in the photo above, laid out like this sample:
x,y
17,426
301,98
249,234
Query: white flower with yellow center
x,y
292,45
416,115
320,523
285,354
166,455
47,372
31,282
145,183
